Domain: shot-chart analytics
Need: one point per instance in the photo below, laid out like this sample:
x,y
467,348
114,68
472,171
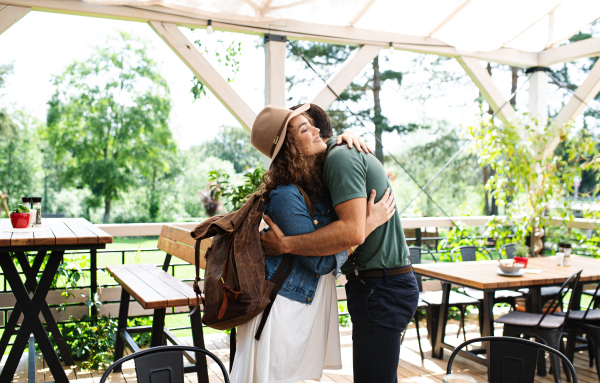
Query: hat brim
x,y
294,113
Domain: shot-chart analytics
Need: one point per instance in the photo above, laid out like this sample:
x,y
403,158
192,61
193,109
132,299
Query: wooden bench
x,y
154,288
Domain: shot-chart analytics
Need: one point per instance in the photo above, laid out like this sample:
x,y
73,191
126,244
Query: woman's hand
x,y
353,140
379,213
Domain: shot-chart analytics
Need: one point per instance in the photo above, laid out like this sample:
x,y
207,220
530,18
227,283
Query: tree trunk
x,y
486,210
107,202
489,69
377,110
513,88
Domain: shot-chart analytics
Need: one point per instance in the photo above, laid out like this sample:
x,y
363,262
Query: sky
x,y
43,44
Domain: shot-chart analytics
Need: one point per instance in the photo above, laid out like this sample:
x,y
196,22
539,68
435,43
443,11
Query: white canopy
x,y
468,25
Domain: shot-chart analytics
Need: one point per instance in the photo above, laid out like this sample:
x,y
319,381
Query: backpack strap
x,y
197,279
279,278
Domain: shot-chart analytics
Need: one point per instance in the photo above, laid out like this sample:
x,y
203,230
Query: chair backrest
x,y
414,256
163,364
512,360
468,253
558,300
177,242
594,299
509,248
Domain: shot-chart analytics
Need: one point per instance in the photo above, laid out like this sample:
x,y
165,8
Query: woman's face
x,y
307,136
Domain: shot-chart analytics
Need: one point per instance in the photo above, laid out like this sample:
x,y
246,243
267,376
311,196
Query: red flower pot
x,y
522,260
19,220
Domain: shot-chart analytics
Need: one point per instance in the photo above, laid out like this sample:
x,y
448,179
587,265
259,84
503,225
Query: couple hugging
x,y
349,232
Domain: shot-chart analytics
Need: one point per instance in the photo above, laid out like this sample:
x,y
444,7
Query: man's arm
x,y
347,231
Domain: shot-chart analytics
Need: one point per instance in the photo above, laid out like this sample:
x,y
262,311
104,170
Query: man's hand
x,y
272,240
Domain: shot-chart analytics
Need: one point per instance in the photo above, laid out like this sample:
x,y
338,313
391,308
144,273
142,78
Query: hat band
x,y
279,134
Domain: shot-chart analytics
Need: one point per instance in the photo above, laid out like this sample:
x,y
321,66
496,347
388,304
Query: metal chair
x,y
548,328
429,299
163,364
585,322
512,360
468,253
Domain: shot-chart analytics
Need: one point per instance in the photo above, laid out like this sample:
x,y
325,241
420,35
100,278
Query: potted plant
x,y
521,254
19,218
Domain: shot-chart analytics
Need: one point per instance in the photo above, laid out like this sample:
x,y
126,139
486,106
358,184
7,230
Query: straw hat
x,y
270,127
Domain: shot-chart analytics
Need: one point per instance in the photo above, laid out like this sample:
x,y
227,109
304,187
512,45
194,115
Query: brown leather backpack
x,y
235,287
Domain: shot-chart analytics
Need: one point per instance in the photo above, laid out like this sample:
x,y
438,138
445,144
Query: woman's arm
x,y
288,211
376,215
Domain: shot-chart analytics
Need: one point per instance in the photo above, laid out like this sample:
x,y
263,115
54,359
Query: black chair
x,y
548,328
162,364
512,360
428,299
469,254
585,322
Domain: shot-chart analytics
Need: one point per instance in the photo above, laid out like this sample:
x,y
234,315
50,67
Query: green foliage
x,y
229,57
233,144
91,341
20,209
234,196
521,250
20,159
526,181
109,116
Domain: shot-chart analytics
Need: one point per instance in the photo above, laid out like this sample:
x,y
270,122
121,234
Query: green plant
x,y
235,196
20,209
521,250
529,174
91,340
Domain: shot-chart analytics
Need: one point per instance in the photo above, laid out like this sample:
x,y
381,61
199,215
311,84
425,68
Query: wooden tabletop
x,y
63,231
482,274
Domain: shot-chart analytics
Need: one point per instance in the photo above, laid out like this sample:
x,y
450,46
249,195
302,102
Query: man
x,y
382,291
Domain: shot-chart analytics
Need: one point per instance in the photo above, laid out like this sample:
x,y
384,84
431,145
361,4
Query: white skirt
x,y
297,342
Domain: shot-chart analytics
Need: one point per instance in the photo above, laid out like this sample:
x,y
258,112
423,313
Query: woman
x,y
301,334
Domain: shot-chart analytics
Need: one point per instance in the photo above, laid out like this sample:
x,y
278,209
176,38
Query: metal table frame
x,y
32,307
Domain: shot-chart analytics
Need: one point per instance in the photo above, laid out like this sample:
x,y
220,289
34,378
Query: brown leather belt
x,y
379,273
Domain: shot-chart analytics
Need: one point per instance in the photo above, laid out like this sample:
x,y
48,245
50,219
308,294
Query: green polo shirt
x,y
352,174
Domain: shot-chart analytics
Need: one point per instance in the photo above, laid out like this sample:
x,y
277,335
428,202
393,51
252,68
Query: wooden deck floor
x,y
410,369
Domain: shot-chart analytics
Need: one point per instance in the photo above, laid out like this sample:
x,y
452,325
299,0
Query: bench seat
x,y
152,287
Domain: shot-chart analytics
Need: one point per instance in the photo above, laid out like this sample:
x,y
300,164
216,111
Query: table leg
x,y
488,324
438,351
31,285
30,272
31,308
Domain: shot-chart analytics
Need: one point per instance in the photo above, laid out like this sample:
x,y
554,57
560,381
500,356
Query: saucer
x,y
517,274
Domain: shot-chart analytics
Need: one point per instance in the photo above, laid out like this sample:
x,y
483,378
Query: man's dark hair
x,y
320,118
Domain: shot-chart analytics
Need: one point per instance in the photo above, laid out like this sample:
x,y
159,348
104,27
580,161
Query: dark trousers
x,y
380,310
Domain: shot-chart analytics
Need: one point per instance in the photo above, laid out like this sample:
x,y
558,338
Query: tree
x,y
110,113
325,57
233,144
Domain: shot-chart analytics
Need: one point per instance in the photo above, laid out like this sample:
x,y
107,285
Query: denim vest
x,y
287,209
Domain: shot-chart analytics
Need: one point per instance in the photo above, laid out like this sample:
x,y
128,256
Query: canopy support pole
x,y
275,52
492,95
10,14
538,96
577,104
346,75
205,72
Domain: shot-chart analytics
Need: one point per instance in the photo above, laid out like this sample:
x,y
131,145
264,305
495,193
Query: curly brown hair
x,y
291,167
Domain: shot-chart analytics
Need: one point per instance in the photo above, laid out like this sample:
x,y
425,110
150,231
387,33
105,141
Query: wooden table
x,y
63,234
482,275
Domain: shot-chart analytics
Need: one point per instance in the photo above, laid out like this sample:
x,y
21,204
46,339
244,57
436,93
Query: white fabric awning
x,y
468,25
